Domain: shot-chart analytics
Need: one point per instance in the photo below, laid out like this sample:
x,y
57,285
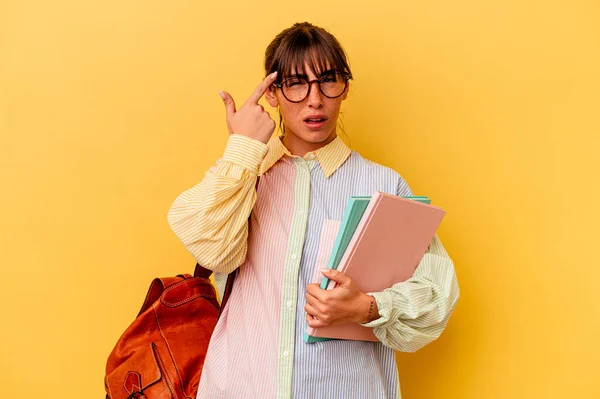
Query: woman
x,y
268,228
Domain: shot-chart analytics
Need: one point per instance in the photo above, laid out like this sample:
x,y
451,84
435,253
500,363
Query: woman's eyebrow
x,y
305,77
328,72
297,76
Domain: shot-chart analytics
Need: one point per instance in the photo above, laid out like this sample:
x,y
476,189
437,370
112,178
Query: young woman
x,y
261,209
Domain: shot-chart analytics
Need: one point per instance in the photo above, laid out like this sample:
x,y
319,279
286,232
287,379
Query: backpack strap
x,y
228,288
203,272
200,271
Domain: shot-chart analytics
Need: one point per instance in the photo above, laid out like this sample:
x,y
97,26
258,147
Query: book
x,y
352,215
386,248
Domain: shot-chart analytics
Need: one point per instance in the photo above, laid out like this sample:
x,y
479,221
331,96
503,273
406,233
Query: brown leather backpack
x,y
160,355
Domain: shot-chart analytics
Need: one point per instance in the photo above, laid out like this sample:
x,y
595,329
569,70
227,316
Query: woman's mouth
x,y
315,123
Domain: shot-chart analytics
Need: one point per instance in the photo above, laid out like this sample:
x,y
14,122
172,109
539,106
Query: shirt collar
x,y
330,157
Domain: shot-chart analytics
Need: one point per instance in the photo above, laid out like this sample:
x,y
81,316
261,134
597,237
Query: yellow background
x,y
109,109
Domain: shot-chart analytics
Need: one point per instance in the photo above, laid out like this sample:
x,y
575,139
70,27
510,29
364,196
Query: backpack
x,y
160,355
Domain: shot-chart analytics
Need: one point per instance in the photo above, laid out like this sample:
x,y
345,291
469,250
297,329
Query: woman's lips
x,y
315,123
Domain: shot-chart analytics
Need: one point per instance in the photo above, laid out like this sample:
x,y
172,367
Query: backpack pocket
x,y
141,376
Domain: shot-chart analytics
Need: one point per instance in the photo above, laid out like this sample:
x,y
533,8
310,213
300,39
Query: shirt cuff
x,y
244,151
384,305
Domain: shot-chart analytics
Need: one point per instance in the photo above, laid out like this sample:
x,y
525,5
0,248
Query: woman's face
x,y
311,123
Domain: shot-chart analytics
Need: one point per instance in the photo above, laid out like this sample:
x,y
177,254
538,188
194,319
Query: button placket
x,y
287,326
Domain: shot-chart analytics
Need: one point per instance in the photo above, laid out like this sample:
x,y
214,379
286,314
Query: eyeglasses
x,y
296,89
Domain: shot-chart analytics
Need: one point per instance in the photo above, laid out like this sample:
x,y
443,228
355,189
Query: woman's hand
x,y
251,119
343,304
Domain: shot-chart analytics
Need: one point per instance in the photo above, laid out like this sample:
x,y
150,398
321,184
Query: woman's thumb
x,y
229,103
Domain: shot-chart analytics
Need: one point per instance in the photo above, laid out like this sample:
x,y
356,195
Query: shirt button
x,y
311,156
288,304
300,211
286,353
294,256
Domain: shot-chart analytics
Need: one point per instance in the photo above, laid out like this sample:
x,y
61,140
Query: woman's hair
x,y
304,43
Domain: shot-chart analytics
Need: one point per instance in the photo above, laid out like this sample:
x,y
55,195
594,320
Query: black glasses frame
x,y
345,76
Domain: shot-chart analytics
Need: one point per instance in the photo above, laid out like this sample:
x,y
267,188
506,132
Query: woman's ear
x,y
346,92
270,96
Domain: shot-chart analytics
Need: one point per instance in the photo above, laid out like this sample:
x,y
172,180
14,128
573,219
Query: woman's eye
x,y
294,82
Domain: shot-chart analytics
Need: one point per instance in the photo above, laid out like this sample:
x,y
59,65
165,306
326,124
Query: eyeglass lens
x,y
331,85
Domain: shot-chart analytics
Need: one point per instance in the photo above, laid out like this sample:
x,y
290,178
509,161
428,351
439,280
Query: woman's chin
x,y
317,136
308,139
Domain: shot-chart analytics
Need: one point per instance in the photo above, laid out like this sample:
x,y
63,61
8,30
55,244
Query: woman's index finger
x,y
262,88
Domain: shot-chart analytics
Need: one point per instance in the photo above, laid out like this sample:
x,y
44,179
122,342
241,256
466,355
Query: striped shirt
x,y
257,348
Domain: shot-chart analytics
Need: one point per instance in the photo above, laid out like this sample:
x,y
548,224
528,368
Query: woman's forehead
x,y
310,69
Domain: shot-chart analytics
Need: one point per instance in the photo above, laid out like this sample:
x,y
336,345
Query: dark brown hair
x,y
304,42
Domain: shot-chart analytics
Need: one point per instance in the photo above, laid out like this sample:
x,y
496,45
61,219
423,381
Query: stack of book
x,y
379,243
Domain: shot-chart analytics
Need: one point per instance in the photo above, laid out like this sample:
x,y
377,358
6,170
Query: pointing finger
x,y
262,88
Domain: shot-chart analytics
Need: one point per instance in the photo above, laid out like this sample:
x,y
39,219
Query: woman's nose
x,y
315,97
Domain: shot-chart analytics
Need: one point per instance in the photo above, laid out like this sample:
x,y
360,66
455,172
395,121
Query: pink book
x,y
326,244
386,248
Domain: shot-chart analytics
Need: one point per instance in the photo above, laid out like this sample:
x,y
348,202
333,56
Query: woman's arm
x,y
414,313
211,218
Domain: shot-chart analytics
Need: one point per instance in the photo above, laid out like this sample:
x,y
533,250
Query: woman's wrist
x,y
372,312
